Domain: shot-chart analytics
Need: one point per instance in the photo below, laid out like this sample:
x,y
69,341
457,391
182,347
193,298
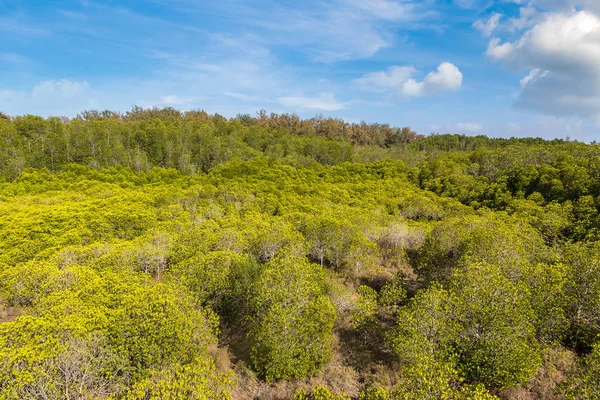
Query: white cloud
x,y
62,88
174,100
562,53
527,17
324,101
560,5
469,127
238,69
394,78
52,97
241,96
230,68
534,74
334,30
498,50
560,40
447,78
488,27
387,9
399,79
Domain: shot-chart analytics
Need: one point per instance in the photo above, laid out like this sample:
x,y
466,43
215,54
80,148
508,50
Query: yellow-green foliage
x,y
292,325
157,326
197,380
480,328
319,393
129,246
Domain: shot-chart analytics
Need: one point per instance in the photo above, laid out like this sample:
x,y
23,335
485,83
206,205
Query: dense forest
x,y
159,254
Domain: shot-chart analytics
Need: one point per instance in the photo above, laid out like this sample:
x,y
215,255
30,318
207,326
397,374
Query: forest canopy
x,y
163,254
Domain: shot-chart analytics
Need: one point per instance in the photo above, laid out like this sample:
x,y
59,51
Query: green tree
x,y
293,321
197,380
157,325
496,344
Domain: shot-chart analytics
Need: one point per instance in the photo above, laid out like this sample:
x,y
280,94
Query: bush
x,y
293,320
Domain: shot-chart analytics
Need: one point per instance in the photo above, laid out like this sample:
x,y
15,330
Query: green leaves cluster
x,y
291,329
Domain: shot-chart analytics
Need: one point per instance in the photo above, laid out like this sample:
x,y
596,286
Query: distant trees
x,y
190,141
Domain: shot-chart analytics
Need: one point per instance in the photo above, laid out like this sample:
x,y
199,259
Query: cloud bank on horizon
x,y
502,68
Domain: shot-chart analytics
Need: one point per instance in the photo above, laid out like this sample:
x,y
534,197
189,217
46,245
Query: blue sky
x,y
502,68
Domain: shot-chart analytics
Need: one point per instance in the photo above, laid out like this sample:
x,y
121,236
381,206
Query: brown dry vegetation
x,y
558,364
8,314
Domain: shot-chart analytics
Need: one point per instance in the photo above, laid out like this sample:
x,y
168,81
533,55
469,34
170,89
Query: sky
x,y
497,67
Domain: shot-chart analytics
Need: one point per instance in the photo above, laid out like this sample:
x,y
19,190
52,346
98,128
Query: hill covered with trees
x,y
165,255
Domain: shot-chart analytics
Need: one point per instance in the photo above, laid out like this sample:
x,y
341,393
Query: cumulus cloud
x,y
399,79
447,78
562,54
393,79
324,101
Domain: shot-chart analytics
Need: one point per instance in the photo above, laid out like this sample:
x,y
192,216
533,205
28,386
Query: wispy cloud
x,y
487,27
73,14
174,100
19,25
52,97
328,31
62,88
324,101
13,58
241,96
459,127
